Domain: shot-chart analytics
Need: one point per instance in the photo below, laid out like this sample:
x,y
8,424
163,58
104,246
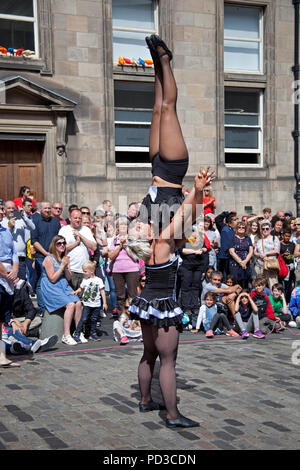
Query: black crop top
x,y
172,171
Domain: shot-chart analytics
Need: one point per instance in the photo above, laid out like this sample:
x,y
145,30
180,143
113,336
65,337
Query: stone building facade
x,y
58,131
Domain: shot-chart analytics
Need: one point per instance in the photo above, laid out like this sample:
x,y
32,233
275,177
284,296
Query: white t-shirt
x,y
91,296
79,254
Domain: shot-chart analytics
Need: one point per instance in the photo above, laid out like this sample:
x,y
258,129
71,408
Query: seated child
x,y
295,307
225,295
279,304
126,330
212,320
92,290
246,315
267,320
206,276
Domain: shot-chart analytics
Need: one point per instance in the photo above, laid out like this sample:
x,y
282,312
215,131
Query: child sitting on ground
x,y
92,290
295,308
279,304
212,320
246,315
126,330
267,320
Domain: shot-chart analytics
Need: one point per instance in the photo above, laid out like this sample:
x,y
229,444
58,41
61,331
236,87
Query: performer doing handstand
x,y
156,306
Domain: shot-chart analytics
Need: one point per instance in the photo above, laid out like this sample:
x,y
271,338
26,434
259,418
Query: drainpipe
x,y
295,132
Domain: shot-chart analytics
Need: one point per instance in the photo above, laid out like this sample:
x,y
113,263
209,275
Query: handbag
x,y
270,264
283,269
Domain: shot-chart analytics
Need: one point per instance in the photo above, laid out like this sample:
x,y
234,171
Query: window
x,y
133,113
243,127
243,39
18,26
132,21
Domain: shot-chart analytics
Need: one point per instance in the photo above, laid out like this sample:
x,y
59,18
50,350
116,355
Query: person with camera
x,y
18,223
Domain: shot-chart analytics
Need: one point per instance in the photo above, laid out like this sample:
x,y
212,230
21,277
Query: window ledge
x,y
21,64
133,71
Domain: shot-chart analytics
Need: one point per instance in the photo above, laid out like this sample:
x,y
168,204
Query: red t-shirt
x,y
209,209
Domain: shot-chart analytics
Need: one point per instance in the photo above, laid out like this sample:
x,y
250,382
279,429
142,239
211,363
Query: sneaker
x,y
83,338
115,313
102,314
209,334
69,340
18,349
124,340
298,322
36,346
77,339
48,343
292,324
244,334
258,334
232,333
218,331
95,337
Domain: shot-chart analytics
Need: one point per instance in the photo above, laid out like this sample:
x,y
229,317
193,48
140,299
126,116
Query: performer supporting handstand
x,y
156,306
158,311
167,150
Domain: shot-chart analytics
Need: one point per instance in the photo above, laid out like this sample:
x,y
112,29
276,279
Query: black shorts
x,y
163,208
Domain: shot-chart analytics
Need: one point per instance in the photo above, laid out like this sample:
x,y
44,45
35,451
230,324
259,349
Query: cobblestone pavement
x,y
245,394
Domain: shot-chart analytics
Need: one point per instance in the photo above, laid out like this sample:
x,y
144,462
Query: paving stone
x,y
79,399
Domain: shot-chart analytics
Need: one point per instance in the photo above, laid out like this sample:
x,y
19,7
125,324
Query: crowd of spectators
x,y
239,273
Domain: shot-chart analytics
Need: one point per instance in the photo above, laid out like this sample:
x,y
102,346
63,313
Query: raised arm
x,y
190,208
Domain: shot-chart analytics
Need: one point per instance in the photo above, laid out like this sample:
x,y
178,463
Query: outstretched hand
x,y
204,178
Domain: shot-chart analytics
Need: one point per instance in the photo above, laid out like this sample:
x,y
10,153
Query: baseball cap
x,y
288,213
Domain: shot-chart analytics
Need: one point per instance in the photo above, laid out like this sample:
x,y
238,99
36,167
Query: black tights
x,y
162,342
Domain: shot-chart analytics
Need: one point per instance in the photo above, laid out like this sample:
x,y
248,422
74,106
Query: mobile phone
x,y
16,215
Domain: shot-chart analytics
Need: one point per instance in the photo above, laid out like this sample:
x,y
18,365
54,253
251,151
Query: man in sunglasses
x,y
56,211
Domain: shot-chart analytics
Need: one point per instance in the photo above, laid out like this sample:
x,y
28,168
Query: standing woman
x,y
125,269
267,249
195,257
213,239
24,193
241,253
57,293
167,150
253,230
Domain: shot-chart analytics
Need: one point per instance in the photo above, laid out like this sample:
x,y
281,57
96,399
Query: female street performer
x,y
167,150
158,311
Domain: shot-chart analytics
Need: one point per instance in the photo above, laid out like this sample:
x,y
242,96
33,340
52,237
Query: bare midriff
x,y
157,181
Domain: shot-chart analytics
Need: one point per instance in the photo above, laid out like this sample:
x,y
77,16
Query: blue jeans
x,y
86,311
19,337
39,294
112,291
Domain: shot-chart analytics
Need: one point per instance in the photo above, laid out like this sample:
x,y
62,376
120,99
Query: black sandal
x,y
157,41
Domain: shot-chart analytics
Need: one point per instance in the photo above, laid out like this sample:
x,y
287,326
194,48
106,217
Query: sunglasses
x,y
85,213
57,208
265,229
61,243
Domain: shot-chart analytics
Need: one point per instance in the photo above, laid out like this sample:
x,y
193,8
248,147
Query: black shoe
x,y
157,41
151,406
152,49
48,343
181,422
